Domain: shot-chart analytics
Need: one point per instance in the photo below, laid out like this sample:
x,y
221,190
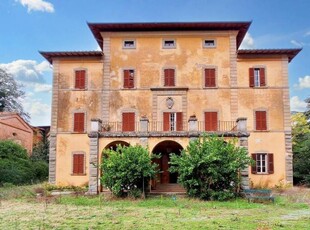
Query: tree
x,y
17,168
41,149
209,168
10,93
301,147
127,170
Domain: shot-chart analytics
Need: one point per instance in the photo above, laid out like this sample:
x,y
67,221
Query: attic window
x,y
129,44
169,43
14,134
209,43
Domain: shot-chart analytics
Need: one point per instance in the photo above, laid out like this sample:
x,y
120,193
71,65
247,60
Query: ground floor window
x,y
263,163
78,163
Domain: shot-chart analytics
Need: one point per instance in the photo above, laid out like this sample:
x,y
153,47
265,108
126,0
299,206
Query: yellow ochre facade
x,y
162,85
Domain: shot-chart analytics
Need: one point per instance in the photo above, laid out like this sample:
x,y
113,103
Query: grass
x,y
100,212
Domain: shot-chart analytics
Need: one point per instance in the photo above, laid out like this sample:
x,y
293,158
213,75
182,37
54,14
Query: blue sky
x,y
28,26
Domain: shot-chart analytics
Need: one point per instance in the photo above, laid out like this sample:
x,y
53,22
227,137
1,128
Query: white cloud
x,y
297,104
303,82
37,5
27,70
39,111
296,43
248,42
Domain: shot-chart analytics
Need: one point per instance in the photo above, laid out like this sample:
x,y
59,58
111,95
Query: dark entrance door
x,y
164,149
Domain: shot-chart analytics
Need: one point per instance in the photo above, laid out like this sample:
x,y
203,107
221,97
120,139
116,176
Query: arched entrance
x,y
113,145
164,148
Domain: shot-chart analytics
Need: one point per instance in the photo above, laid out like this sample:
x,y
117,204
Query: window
x,y
129,78
210,77
128,124
129,44
209,43
260,120
211,122
78,163
80,79
263,163
169,77
257,77
173,121
79,119
169,43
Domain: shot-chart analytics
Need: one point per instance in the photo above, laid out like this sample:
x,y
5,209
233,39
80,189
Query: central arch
x,y
164,148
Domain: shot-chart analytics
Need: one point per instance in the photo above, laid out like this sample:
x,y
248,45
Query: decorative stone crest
x,y
169,102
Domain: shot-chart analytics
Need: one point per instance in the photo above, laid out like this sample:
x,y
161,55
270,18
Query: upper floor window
x,y
169,43
257,77
129,44
129,78
80,79
169,77
78,166
79,122
209,43
263,163
173,121
211,121
210,78
128,122
261,120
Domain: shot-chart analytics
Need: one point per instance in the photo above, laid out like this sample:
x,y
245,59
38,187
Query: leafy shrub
x,y
209,168
126,169
16,166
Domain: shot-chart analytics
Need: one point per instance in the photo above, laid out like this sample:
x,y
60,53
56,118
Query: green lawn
x,y
24,211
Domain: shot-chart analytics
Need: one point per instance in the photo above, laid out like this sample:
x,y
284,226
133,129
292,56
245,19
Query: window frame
x,y
129,47
73,169
85,79
165,46
164,76
267,163
133,126
207,46
257,77
124,80
215,77
262,127
205,121
177,120
75,129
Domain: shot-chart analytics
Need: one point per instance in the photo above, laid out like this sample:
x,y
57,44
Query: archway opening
x,y
113,145
165,148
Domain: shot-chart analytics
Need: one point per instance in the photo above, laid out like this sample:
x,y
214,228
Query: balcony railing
x,y
158,126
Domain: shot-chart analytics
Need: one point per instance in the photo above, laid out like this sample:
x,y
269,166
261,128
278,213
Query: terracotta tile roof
x,y
291,53
61,54
241,27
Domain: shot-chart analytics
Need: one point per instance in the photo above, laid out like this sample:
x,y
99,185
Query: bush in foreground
x,y
209,168
126,170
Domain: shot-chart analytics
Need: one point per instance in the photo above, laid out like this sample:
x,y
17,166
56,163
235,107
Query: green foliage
x,y
209,168
127,169
301,164
300,127
41,150
17,168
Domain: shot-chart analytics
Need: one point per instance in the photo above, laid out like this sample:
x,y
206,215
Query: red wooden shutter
x,y
128,122
262,77
211,121
253,166
166,124
270,163
78,122
78,163
80,79
209,77
131,79
179,121
169,77
261,120
251,77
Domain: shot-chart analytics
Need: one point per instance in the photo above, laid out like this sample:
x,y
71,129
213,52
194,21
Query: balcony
x,y
146,128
